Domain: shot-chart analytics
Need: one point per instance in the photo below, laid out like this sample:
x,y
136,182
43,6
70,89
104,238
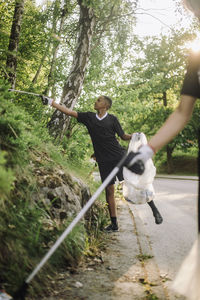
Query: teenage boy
x,y
103,128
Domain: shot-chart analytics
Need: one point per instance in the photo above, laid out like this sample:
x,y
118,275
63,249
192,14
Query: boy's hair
x,y
108,100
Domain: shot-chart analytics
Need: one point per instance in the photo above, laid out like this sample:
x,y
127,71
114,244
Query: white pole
x,y
23,92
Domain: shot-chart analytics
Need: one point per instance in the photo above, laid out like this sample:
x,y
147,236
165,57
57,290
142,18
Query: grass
x,y
142,257
151,296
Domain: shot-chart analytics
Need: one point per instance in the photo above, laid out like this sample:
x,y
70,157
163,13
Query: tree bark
x,y
11,62
170,166
56,44
73,85
165,99
35,78
168,149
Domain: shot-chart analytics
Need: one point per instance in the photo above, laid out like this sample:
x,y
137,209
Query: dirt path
x,y
125,271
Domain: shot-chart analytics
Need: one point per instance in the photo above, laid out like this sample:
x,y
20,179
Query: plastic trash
x,y
139,189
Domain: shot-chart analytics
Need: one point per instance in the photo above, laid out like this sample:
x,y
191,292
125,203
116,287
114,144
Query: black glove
x,y
138,166
46,100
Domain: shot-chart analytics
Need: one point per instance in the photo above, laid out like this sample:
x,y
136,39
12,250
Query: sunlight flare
x,y
194,45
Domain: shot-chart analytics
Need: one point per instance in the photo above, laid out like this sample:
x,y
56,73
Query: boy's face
x,y
100,103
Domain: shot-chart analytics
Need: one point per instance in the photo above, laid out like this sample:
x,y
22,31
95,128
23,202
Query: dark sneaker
x,y
158,217
111,228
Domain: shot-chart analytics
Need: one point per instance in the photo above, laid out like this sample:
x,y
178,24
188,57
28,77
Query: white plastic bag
x,y
139,188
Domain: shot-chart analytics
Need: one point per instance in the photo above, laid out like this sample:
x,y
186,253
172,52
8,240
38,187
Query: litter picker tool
x,y
187,281
24,92
125,161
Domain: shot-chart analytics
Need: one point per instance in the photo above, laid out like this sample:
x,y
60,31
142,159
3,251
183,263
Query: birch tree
x,y
60,13
99,23
74,82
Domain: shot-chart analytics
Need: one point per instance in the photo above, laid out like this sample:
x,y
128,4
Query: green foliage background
x,y
142,76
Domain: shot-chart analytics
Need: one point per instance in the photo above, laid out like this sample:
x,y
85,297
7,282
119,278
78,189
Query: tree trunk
x,y
56,45
52,32
169,160
73,86
11,63
35,78
168,149
165,99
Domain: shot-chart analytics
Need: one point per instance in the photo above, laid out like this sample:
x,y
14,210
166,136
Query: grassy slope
x,y
26,147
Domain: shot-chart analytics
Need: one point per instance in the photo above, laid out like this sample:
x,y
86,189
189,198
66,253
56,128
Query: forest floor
x,y
123,271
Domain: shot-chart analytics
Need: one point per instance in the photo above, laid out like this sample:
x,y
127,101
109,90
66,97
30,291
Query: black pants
x,y
105,168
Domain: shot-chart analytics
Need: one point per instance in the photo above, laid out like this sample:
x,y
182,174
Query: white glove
x,y
144,153
46,100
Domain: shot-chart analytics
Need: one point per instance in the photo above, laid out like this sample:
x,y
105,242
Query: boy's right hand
x,y
47,100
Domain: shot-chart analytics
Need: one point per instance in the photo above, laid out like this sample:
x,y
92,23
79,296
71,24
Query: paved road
x,y
170,241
